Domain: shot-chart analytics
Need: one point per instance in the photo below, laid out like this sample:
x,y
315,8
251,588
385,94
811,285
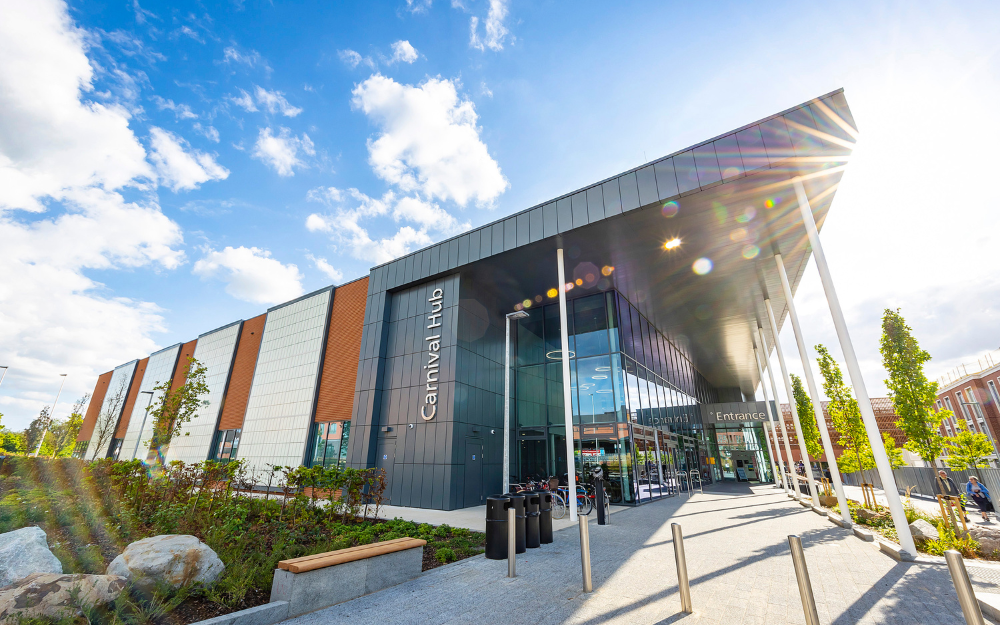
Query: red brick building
x,y
885,416
972,393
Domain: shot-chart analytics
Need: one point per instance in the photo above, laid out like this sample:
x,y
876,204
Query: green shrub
x,y
967,546
445,555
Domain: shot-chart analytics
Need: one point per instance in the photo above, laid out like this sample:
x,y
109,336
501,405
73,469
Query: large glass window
x,y
530,346
596,390
531,398
554,393
227,445
329,444
590,326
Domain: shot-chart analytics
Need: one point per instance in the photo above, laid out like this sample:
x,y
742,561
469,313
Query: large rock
x,y
923,531
23,552
57,596
174,560
987,537
869,515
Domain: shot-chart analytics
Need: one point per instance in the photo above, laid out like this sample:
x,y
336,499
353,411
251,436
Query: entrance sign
x,y
429,409
734,412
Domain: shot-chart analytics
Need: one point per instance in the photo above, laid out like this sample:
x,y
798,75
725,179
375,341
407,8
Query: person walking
x,y
947,487
981,496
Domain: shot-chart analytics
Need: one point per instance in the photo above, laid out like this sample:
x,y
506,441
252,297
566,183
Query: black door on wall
x,y
474,473
386,457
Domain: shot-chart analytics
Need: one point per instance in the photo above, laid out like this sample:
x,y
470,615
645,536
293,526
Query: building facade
x,y
972,393
664,271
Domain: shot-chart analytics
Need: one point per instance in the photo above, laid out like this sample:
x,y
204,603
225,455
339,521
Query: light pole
x,y
51,412
4,374
143,426
519,314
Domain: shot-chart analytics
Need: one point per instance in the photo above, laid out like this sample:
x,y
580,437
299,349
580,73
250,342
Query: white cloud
x,y
402,51
352,59
429,141
251,274
244,101
274,101
328,270
418,6
486,91
496,31
232,54
282,152
209,132
182,111
180,167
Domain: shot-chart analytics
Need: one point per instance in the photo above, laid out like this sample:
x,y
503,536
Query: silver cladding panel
x,y
279,412
121,376
160,368
214,351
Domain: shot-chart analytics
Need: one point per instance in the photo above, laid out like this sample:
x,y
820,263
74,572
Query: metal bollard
x,y
963,586
588,584
511,542
802,577
683,585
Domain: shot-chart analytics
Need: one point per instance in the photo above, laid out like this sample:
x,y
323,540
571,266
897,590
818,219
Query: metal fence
x,y
920,480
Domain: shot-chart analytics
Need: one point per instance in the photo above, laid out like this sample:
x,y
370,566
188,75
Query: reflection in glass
x,y
530,348
590,326
596,390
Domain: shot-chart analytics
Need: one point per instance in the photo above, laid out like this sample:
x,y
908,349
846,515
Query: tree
x,y
807,418
13,442
846,416
64,433
895,453
107,419
911,392
967,449
176,407
38,428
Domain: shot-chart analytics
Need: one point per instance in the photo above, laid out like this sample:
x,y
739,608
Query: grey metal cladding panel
x,y
433,265
707,164
408,269
801,129
474,245
687,172
838,105
579,201
536,230
509,234
498,237
523,237
646,179
486,242
728,152
752,148
776,140
666,179
550,221
564,213
452,253
390,275
595,204
463,249
630,192
612,198
425,264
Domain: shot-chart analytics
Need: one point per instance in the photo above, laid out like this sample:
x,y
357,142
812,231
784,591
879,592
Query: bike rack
x,y
695,474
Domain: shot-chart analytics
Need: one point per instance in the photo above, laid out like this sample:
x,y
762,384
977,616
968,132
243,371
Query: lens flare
x,y
769,203
702,266
569,286
538,299
750,251
607,269
738,235
670,209
579,282
518,307
526,303
552,293
747,215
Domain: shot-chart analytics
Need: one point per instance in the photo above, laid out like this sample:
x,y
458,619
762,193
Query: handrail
x,y
695,474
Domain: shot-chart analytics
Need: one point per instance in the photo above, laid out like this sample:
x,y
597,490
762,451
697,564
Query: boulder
x,y
987,537
869,515
23,552
173,560
923,531
57,596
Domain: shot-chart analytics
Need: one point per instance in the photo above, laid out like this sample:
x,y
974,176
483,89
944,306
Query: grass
x,y
92,510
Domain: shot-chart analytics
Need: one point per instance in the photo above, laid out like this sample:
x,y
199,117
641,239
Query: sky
x,y
167,168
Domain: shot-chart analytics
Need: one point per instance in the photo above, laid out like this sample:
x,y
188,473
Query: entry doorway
x,y
474,472
745,466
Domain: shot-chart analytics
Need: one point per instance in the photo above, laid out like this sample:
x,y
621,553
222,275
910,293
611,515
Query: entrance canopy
x,y
689,238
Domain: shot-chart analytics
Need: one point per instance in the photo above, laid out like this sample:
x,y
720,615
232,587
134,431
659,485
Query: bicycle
x,y
558,503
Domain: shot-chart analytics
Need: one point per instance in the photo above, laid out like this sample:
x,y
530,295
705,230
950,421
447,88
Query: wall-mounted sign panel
x,y
735,412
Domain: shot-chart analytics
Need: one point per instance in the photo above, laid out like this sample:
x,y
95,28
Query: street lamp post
x,y
519,314
143,426
52,412
4,374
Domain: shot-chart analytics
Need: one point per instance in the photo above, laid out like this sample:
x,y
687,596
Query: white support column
x,y
506,409
770,416
824,431
567,397
854,371
781,417
803,452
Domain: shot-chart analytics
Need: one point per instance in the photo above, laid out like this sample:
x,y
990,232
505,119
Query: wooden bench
x,y
318,581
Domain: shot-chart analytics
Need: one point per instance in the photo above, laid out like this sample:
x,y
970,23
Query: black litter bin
x,y
545,518
531,502
496,526
517,502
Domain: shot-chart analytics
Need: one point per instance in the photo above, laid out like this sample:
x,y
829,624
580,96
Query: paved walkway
x,y
470,518
738,561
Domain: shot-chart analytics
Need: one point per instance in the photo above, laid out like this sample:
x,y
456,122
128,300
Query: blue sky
x,y
166,168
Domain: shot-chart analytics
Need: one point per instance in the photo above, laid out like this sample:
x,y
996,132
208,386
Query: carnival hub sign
x,y
429,409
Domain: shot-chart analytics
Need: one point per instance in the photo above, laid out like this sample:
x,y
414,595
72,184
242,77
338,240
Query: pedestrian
x,y
981,496
947,487
826,473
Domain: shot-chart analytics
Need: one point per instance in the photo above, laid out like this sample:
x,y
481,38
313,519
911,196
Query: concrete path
x,y
469,518
739,565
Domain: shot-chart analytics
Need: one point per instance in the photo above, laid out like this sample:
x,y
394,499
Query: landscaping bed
x,y
91,511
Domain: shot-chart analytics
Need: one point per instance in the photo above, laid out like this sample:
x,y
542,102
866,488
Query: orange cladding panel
x,y
133,393
343,350
244,363
94,409
181,369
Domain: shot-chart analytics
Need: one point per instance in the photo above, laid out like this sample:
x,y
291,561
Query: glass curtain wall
x,y
631,389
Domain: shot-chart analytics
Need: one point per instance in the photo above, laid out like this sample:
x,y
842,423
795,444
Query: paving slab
x,y
738,562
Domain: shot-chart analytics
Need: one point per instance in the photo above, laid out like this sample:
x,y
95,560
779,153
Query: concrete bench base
x,y
267,614
321,588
